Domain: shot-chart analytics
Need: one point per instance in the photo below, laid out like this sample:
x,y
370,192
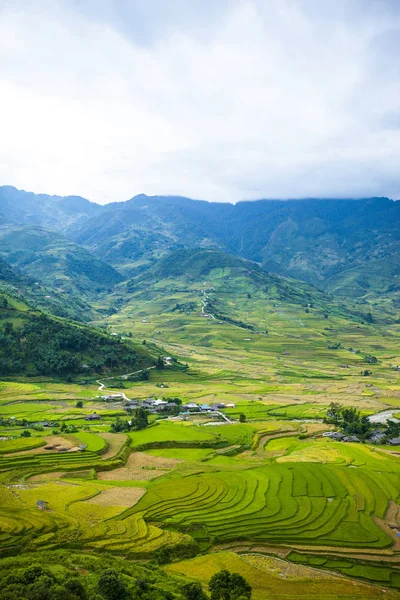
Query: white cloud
x,y
262,98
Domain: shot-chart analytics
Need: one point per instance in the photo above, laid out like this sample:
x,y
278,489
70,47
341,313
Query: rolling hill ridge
x,y
333,244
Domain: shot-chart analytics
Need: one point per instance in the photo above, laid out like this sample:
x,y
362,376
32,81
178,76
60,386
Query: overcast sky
x,y
217,99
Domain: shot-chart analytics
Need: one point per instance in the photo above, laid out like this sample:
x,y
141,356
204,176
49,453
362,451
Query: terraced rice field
x,y
286,503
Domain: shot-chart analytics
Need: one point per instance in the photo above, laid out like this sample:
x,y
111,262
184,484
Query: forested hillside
x,y
34,343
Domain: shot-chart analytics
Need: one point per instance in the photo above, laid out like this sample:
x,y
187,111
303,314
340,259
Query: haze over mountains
x,y
349,247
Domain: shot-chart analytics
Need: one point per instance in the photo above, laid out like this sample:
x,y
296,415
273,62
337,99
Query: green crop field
x,y
260,490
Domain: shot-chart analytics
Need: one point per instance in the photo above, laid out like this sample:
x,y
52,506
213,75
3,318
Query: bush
x,y
111,587
193,591
229,586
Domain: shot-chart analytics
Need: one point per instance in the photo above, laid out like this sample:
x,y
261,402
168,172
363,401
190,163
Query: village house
x,y
148,403
159,402
334,435
351,438
93,417
191,406
217,406
132,404
111,397
376,436
166,406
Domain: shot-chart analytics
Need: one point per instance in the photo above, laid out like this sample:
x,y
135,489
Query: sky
x,y
223,100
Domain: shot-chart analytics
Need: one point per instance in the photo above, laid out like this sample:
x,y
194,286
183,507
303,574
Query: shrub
x,y
229,586
193,591
111,587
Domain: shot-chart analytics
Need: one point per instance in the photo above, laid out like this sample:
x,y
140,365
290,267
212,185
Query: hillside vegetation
x,y
333,244
34,343
218,419
50,258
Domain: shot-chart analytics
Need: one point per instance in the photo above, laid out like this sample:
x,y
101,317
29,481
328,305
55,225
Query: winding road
x,y
102,386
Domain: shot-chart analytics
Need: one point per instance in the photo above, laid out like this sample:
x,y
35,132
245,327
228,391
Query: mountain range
x,y
348,247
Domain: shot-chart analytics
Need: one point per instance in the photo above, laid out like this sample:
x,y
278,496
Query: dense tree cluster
x,y
38,583
229,586
46,346
185,307
348,419
138,421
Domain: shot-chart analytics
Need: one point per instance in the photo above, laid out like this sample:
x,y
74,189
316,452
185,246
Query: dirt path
x,y
102,386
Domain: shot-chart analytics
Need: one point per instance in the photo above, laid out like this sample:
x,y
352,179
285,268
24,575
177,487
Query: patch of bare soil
x,y
115,441
47,476
118,496
140,467
55,442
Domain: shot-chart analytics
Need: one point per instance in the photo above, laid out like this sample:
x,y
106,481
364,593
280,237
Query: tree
x,y
333,413
79,404
75,588
193,591
141,420
111,587
159,363
371,360
26,433
229,586
242,418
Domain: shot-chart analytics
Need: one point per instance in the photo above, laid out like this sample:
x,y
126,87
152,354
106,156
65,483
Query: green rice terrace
x,y
209,453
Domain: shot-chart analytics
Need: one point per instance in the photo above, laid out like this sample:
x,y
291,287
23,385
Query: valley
x,y
172,424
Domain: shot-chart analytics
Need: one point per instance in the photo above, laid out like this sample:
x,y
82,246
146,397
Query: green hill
x,y
330,243
49,258
231,288
310,240
32,342
225,273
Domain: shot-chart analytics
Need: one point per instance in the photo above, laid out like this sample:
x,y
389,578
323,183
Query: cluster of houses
x,y
341,437
152,405
378,436
160,406
206,408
